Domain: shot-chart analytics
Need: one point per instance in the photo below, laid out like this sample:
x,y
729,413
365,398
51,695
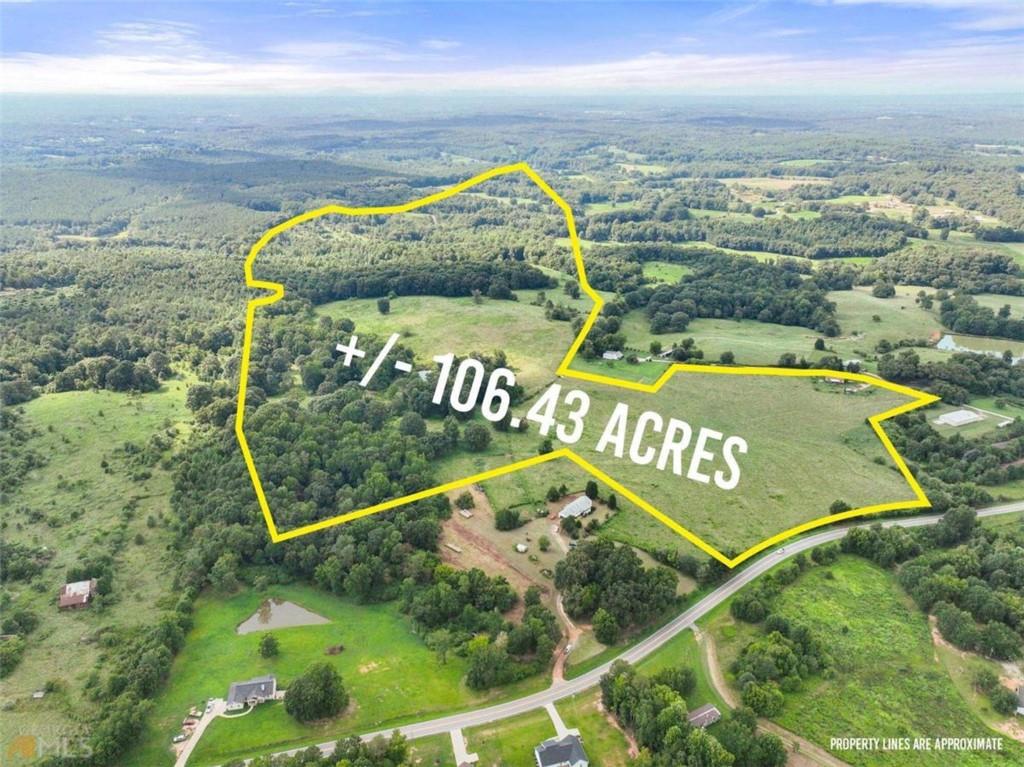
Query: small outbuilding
x,y
612,355
251,693
578,507
960,417
77,594
564,751
705,716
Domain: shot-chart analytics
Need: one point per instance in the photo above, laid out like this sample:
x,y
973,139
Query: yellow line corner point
x,y
918,398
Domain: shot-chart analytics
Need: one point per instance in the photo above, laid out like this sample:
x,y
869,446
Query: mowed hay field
x,y
431,326
75,507
887,681
799,433
808,445
379,650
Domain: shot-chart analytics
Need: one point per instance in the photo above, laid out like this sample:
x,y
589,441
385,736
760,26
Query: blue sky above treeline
x,y
827,46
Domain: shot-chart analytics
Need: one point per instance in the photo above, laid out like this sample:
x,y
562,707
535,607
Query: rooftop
x,y
260,687
577,507
556,752
76,593
705,715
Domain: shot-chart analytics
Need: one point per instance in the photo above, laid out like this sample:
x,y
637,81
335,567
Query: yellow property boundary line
x,y
918,398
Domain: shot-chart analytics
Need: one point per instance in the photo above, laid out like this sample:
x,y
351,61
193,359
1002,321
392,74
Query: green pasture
x,y
887,680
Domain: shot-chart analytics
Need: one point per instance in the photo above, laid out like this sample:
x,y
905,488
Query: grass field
x,y
380,648
887,681
665,271
683,650
605,745
435,751
428,325
74,507
759,343
510,742
823,427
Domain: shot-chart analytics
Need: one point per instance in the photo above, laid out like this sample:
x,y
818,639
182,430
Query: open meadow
x,y
78,510
888,680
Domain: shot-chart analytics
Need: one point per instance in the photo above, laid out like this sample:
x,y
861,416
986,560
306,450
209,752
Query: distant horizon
x,y
310,47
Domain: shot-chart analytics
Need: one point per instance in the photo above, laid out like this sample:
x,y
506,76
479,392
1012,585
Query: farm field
x,y
888,682
822,424
534,345
379,649
758,343
78,510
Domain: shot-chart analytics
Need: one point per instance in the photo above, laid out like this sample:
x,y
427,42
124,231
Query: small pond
x,y
279,614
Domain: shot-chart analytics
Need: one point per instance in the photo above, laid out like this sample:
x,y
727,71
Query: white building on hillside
x,y
578,507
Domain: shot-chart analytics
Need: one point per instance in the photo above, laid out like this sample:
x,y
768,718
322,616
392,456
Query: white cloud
x,y
149,33
972,65
359,50
785,32
440,45
987,15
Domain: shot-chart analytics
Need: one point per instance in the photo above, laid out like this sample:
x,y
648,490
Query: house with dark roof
x,y
705,716
564,751
77,594
251,693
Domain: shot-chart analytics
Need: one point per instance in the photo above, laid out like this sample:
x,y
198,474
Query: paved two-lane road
x,y
642,649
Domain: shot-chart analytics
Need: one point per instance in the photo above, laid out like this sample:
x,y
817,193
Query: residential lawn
x,y
605,745
434,751
77,509
887,681
380,648
510,742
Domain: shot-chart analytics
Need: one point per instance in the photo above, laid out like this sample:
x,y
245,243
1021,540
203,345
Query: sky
x,y
702,47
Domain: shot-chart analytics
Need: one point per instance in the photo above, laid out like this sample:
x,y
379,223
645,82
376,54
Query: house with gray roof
x,y
564,751
704,716
578,507
251,693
